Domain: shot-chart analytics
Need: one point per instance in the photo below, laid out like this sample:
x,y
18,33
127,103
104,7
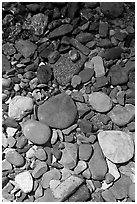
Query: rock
x,y
69,130
86,74
97,64
11,131
45,51
117,146
78,96
81,166
84,37
104,43
40,169
85,151
69,155
122,115
120,187
13,157
20,106
4,140
44,74
11,141
74,55
113,53
36,132
25,47
128,170
39,192
82,108
61,31
81,195
103,29
53,174
21,142
112,9
53,184
6,165
87,174
100,102
85,125
24,181
97,163
10,122
53,57
75,43
91,45
58,112
66,173
131,192
109,178
5,64
75,81
120,35
41,154
112,169
64,69
6,83
108,196
67,187
72,9
47,197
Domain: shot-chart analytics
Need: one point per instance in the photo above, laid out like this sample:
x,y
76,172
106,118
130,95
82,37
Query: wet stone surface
x,y
68,101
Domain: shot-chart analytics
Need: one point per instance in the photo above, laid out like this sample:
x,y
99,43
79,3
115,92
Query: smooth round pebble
x,y
40,169
15,158
85,152
41,154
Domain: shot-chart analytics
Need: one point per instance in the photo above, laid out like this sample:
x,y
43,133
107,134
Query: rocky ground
x,y
68,100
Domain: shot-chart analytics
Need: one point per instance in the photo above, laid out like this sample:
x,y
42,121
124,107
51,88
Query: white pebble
x,y
11,131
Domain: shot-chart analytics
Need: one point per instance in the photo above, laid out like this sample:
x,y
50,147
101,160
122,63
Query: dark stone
x,y
84,37
72,9
75,43
85,125
44,74
113,53
60,31
10,122
5,64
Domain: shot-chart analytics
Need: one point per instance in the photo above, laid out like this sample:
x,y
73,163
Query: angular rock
x,y
36,132
44,74
20,106
6,83
69,155
97,163
81,166
122,115
86,74
97,64
117,146
25,47
61,31
103,29
75,43
112,169
100,101
85,151
13,157
113,53
58,112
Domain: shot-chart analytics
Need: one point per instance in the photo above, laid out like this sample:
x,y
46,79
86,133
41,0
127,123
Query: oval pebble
x,y
15,158
41,154
36,132
40,169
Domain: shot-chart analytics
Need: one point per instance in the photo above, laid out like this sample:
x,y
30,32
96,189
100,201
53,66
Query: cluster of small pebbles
x,y
68,101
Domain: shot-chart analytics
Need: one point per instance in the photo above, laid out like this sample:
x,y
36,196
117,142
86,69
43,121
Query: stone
x,y
128,170
53,174
11,141
74,55
97,164
112,9
103,29
41,154
81,195
36,132
6,83
85,152
25,47
113,53
6,165
100,82
13,157
82,108
39,192
67,187
109,178
100,102
54,136
120,35
53,57
108,196
44,74
84,37
104,43
4,140
11,131
21,142
120,187
66,173
75,81
61,31
86,173
117,146
113,170
86,74
58,111
39,170
81,166
85,125
47,197
78,96
10,122
53,184
131,192
97,64
5,64
69,155
122,115
64,69
19,107
91,44
24,181
76,44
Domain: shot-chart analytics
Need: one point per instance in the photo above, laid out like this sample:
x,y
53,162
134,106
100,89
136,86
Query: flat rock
x,y
103,29
25,47
20,106
81,166
61,31
113,53
117,146
36,132
13,157
67,187
40,169
85,151
5,64
44,73
24,181
58,112
82,48
41,154
64,69
86,74
69,155
97,163
100,101
122,115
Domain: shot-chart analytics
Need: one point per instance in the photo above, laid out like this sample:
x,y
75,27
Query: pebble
x,y
116,145
69,130
113,53
13,157
85,125
5,64
53,174
25,47
76,44
19,106
97,164
85,152
58,112
31,152
84,37
109,178
40,169
128,170
100,102
61,31
6,83
81,166
78,96
86,173
74,55
122,115
11,141
24,181
86,74
40,154
36,132
44,74
113,170
108,196
97,63
69,155
54,136
67,187
66,173
39,192
103,29
47,197
75,81
6,165
10,122
4,140
11,131
53,184
131,192
104,43
53,57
